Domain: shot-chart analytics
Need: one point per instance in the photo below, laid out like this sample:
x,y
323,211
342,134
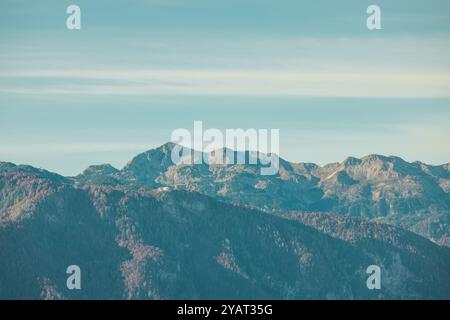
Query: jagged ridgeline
x,y
135,237
414,196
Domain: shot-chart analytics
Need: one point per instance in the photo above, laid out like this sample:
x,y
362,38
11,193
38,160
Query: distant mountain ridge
x,y
414,195
133,241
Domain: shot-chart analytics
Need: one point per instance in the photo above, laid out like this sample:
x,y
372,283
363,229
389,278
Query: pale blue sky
x,y
139,69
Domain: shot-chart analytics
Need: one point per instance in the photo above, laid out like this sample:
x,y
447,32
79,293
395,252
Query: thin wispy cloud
x,y
235,82
246,66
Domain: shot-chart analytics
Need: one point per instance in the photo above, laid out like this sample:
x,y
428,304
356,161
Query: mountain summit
x,y
387,189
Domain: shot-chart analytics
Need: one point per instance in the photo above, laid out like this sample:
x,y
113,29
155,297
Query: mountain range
x,y
414,196
154,230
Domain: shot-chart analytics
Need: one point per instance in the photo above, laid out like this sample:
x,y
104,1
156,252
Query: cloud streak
x,y
151,82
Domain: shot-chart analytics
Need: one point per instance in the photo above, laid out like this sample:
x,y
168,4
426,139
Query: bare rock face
x,y
414,196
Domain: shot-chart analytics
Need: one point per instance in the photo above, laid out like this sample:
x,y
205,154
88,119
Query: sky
x,y
137,70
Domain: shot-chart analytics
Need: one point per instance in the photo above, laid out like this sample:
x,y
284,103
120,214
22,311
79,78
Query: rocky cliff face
x,y
414,196
132,241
